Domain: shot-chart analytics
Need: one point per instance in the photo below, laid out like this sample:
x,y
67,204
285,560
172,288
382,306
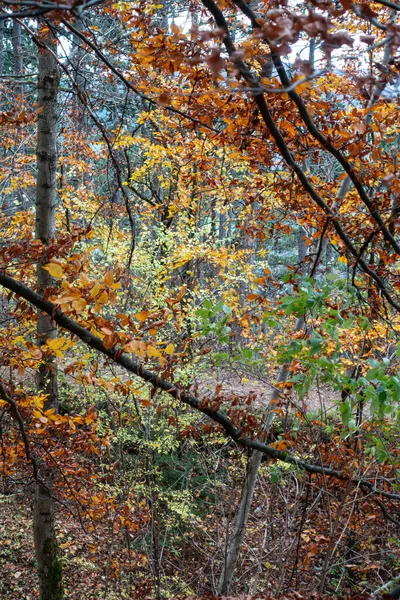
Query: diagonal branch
x,y
287,155
36,9
389,4
317,134
135,367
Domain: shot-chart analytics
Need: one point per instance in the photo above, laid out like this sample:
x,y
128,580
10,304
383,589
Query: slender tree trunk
x,y
46,203
18,69
17,54
17,48
242,515
301,248
2,27
46,546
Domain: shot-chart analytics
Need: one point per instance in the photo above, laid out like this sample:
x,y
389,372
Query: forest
x,y
199,299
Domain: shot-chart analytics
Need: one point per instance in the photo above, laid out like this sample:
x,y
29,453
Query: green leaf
x,y
316,345
345,412
218,307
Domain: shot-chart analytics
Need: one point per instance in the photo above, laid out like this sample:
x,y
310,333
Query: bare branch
x,y
17,416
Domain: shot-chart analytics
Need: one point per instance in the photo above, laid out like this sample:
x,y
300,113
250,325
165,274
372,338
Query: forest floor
x,y
92,572
320,399
97,568
85,575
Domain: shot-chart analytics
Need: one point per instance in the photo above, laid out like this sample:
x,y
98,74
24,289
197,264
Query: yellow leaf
x,y
55,270
84,279
95,289
169,349
343,259
56,344
151,351
79,305
39,400
109,278
245,321
142,316
103,298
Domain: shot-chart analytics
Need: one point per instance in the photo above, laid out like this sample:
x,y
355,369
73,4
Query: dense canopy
x,y
199,299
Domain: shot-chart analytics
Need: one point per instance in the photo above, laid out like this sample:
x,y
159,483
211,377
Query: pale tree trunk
x,y
17,55
18,69
46,546
242,515
301,248
77,58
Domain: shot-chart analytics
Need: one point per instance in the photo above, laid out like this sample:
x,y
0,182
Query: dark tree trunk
x,y
46,546
46,203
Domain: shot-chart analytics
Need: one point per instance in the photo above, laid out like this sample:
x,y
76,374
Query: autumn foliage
x,y
223,284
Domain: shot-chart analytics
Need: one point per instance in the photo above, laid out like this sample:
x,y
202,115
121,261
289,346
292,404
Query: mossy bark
x,y
46,546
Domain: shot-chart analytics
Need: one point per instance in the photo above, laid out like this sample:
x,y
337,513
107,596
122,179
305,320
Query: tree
x,y
191,158
47,552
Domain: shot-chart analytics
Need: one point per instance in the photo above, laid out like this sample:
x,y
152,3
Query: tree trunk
x,y
46,546
2,27
46,203
253,466
17,48
301,248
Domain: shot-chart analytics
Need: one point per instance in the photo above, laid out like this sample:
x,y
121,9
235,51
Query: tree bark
x,y
17,47
2,27
46,204
46,546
